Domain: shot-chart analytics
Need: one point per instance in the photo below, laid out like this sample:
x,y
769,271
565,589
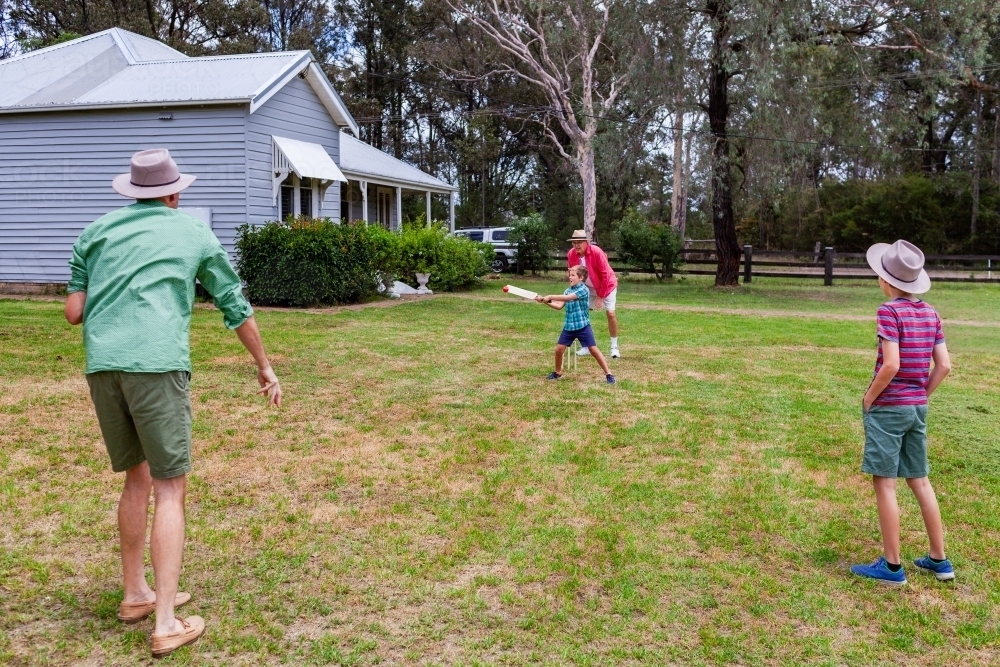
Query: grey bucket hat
x,y
153,174
901,264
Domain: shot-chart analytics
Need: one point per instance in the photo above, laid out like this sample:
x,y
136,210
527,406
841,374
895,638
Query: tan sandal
x,y
189,629
133,612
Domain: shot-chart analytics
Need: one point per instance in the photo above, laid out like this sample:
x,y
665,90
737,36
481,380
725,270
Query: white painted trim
x,y
399,208
364,200
278,81
162,104
395,183
428,208
330,98
451,211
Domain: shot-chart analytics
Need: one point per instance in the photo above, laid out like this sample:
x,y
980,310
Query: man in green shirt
x,y
132,287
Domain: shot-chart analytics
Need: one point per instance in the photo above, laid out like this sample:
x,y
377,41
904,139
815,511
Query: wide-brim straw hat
x,y
901,264
153,174
578,235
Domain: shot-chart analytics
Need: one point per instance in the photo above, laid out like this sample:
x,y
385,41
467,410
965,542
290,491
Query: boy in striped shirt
x,y
895,408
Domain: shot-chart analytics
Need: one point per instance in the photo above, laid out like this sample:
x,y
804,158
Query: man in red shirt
x,y
602,283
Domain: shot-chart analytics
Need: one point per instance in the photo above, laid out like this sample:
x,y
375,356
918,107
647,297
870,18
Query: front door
x,y
383,211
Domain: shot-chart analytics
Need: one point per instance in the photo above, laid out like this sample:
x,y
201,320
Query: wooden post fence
x,y
747,264
828,272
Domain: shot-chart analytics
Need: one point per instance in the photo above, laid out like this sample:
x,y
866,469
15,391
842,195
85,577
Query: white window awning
x,y
305,160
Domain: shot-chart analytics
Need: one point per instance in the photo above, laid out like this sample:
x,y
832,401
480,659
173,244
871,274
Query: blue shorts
x,y
584,335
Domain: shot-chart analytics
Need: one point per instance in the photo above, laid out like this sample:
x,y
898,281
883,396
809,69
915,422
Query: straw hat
x,y
578,235
154,174
901,265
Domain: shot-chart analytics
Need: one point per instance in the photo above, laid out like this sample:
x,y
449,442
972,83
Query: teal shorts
x,y
144,417
896,441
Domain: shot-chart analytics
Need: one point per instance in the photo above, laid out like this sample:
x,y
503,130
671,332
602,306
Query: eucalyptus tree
x,y
581,55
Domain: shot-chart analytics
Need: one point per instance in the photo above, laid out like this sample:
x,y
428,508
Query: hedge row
x,y
305,261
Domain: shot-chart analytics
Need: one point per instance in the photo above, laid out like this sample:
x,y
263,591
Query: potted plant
x,y
423,273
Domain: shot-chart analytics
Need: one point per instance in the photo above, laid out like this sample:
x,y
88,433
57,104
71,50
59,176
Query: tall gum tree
x,y
581,54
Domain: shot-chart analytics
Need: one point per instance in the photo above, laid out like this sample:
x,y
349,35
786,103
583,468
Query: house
x,y
266,134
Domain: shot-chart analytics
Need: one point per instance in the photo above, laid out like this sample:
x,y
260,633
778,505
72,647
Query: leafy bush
x,y
653,246
303,261
386,249
532,237
932,211
453,262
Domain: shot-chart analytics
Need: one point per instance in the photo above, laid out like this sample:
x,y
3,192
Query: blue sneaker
x,y
943,570
611,379
553,376
880,571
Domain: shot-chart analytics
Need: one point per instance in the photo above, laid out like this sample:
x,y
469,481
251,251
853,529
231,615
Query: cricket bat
x,y
517,291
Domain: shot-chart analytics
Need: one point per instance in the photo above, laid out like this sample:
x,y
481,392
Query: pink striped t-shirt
x,y
915,325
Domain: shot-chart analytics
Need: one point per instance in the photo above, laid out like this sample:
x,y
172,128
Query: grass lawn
x,y
425,497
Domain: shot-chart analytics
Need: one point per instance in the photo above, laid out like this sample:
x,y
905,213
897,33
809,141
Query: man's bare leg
x,y
612,324
927,500
167,547
133,513
888,516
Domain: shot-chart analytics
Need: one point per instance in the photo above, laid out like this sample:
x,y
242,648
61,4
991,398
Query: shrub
x,y
453,262
386,250
303,262
532,238
653,246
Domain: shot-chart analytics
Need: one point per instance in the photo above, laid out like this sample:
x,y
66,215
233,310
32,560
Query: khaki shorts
x,y
144,417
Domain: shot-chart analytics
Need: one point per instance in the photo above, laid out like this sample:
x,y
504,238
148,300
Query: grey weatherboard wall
x,y
56,170
294,112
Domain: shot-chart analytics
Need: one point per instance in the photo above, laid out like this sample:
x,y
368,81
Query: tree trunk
x,y
684,185
678,199
975,162
727,247
588,174
996,141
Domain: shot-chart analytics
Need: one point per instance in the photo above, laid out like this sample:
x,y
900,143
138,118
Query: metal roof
x,y
358,159
117,68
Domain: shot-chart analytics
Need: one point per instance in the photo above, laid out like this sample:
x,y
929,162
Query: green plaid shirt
x,y
577,312
138,266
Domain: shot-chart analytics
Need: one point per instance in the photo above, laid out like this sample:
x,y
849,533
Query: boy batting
x,y
576,302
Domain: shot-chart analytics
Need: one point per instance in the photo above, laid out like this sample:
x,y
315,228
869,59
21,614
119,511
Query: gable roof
x,y
116,68
358,159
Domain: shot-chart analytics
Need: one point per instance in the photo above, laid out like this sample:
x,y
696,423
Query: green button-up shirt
x,y
138,266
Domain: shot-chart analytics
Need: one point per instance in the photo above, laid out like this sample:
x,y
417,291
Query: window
x,y
296,197
500,234
475,236
287,200
305,197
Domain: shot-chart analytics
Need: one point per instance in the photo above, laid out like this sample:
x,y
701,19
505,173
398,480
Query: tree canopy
x,y
780,123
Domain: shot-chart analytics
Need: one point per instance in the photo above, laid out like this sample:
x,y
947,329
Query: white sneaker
x,y
615,354
583,352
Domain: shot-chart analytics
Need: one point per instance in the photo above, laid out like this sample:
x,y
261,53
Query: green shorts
x,y
144,417
896,441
